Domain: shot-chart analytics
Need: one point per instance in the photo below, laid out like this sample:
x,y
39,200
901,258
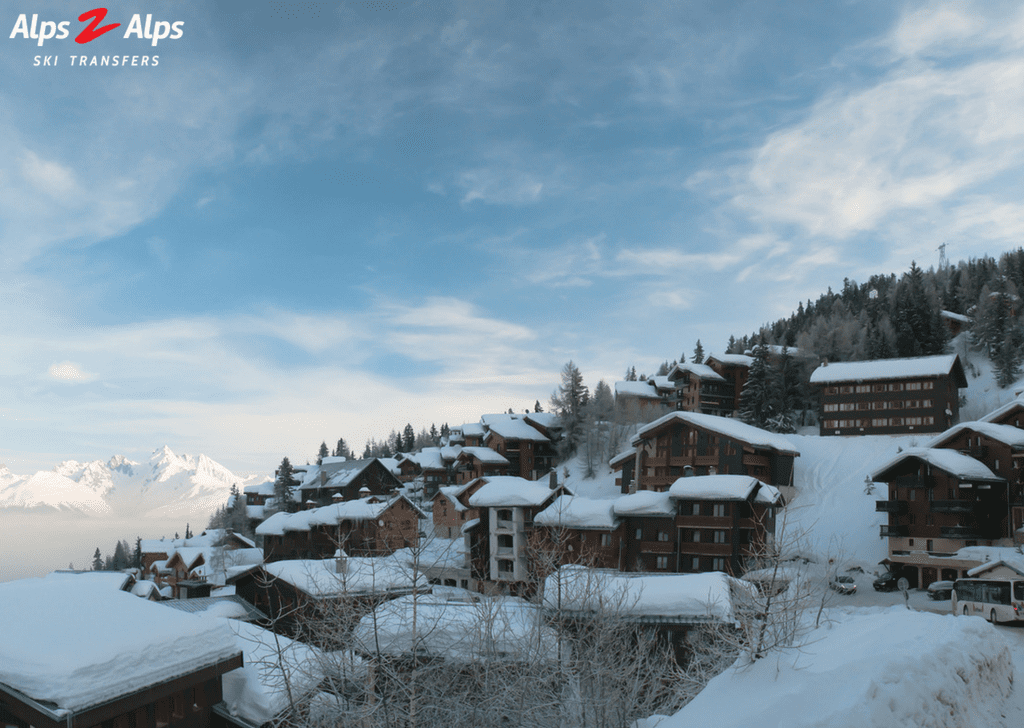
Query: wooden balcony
x,y
953,506
758,461
891,506
898,531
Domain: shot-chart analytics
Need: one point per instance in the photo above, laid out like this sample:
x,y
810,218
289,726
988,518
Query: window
x,y
662,535
663,562
505,567
928,385
721,509
880,422
863,388
718,565
846,407
696,536
639,534
929,545
721,537
504,514
913,386
831,408
695,563
505,541
606,539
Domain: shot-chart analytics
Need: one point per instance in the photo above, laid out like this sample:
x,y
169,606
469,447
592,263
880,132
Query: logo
x,y
42,31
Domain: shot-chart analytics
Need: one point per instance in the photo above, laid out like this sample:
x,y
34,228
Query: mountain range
x,y
167,486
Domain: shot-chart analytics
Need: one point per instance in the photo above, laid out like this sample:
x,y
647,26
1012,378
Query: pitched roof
x,y
517,430
361,575
644,503
1016,404
1006,434
484,455
703,371
724,487
948,461
573,511
636,389
511,490
726,426
865,371
741,360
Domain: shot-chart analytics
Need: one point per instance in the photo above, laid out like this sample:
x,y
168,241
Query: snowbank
x,y
890,667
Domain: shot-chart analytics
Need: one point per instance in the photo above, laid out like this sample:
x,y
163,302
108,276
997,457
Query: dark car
x,y
890,582
940,590
843,584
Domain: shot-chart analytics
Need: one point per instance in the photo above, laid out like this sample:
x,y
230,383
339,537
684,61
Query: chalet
x,y
451,510
639,399
64,664
530,453
368,526
648,521
257,496
940,501
1008,414
578,530
499,543
682,443
735,368
955,322
347,478
470,434
433,466
192,571
479,462
547,423
699,388
156,551
890,396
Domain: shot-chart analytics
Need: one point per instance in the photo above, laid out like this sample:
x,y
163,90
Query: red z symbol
x,y
92,32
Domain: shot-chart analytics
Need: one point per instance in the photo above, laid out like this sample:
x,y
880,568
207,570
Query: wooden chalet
x,y
530,453
347,479
157,551
479,462
1008,414
939,501
640,399
735,368
368,526
693,443
699,388
577,530
451,510
890,396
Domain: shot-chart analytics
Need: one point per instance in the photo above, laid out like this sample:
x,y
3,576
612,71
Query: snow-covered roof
x,y
485,455
102,644
1014,564
644,503
112,580
622,457
452,493
491,419
341,472
264,488
499,628
362,509
999,413
547,420
948,461
429,458
863,371
229,606
277,672
517,430
510,490
636,389
573,511
1006,434
741,360
361,575
670,596
723,487
209,537
703,371
955,316
471,429
726,426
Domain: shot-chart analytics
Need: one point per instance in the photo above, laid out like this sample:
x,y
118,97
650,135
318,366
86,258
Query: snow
x,y
471,429
489,628
510,490
734,359
645,503
723,426
320,578
517,430
863,371
955,316
1006,434
99,645
362,509
636,389
622,457
273,526
723,487
690,597
577,512
485,455
702,371
870,668
949,461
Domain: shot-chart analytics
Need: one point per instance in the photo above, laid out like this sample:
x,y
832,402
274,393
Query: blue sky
x,y
316,220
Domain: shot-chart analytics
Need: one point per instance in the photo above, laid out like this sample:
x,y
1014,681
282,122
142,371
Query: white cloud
x,y
68,372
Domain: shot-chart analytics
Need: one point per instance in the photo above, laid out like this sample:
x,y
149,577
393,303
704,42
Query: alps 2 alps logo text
x,y
94,26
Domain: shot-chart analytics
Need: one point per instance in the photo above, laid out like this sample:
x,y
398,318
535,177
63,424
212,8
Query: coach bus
x,y
997,600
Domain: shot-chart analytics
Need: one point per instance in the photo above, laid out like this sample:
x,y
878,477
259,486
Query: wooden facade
x,y
889,396
351,480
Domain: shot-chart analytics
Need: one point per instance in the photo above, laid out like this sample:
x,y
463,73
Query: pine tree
x,y
569,402
537,407
435,436
342,451
698,353
408,438
757,401
119,560
188,531
97,560
367,451
283,486
322,453
137,556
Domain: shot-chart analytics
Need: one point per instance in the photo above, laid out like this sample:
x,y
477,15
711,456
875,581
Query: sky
x,y
301,221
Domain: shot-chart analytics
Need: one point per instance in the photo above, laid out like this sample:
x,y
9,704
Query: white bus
x,y
997,600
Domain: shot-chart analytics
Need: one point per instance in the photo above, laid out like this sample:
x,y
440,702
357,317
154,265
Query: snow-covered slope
x,y
168,486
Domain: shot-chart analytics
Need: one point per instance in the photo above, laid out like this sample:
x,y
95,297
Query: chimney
x,y
687,471
632,486
340,565
553,480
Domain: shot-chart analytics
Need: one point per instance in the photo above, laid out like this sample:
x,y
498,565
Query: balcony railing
x,y
953,506
897,531
504,524
968,532
910,481
891,506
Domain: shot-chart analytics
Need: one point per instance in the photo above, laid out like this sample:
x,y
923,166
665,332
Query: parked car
x,y
843,584
940,590
891,582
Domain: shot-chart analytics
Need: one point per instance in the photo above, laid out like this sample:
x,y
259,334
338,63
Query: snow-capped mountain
x,y
167,486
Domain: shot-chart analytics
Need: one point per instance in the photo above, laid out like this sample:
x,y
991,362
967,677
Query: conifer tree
x,y
757,401
537,407
137,556
97,560
435,436
283,486
322,453
569,401
408,438
698,353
